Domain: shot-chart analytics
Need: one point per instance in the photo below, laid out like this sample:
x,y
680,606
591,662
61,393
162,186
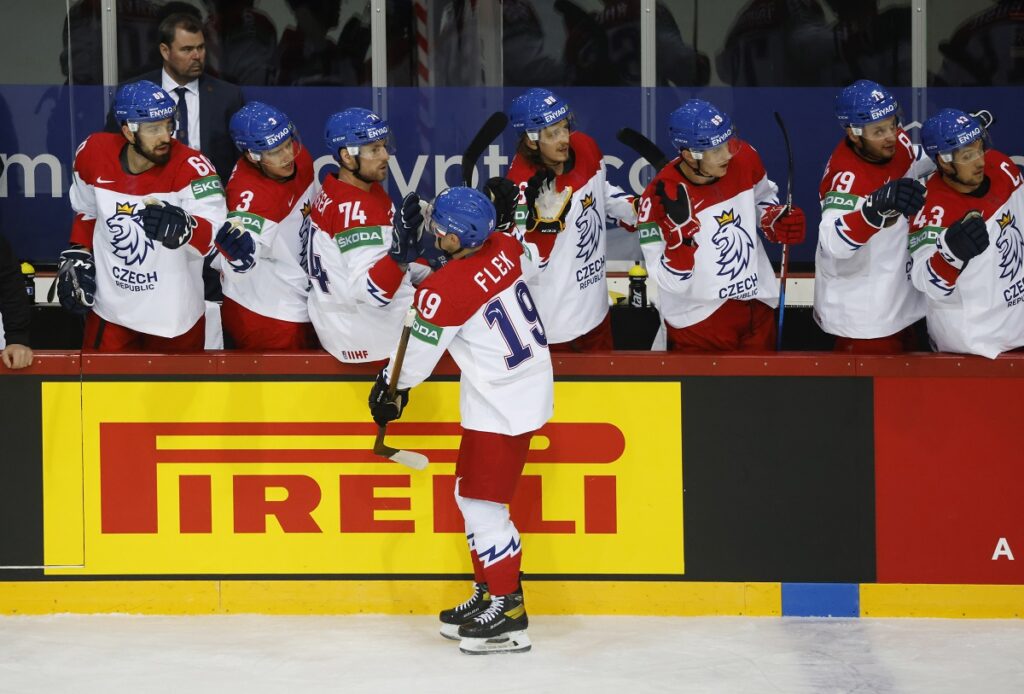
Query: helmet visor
x,y
282,154
880,131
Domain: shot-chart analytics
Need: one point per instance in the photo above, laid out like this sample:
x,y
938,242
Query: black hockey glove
x,y
406,231
428,250
382,409
546,208
677,210
504,194
237,246
168,224
903,196
963,240
76,280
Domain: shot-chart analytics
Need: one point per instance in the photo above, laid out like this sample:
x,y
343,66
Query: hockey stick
x,y
411,459
637,142
784,267
488,133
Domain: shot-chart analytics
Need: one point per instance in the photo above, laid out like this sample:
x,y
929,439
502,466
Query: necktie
x,y
181,134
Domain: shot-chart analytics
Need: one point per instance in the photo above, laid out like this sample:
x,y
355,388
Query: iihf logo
x,y
589,226
129,241
1011,246
734,243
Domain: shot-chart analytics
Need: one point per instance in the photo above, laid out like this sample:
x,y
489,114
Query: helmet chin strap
x,y
355,171
955,177
697,171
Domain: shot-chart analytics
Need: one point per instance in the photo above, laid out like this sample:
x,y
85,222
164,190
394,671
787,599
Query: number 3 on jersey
x,y
497,315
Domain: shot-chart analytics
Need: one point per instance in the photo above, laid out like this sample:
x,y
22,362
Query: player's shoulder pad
x,y
191,168
95,152
520,170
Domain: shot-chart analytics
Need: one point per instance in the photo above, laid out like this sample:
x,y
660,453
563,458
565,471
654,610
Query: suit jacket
x,y
218,101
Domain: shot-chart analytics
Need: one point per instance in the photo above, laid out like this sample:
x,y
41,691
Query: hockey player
x,y
146,209
572,292
698,220
967,242
359,251
270,194
479,308
862,289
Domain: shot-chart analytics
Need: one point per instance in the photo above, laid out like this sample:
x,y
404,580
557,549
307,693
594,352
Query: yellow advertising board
x,y
278,478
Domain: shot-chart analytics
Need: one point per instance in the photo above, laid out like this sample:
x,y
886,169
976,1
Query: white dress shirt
x,y
191,102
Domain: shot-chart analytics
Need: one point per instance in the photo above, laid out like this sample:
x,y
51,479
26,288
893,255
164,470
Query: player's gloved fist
x,y
382,409
428,250
903,196
673,216
168,224
546,208
963,240
237,246
780,226
407,230
76,280
504,194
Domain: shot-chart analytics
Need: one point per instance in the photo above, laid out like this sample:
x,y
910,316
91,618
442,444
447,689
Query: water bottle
x,y
28,273
638,286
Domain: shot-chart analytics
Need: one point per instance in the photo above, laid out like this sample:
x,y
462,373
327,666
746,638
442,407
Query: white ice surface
x,y
253,654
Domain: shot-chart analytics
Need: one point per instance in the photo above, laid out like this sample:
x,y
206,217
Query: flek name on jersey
x,y
735,245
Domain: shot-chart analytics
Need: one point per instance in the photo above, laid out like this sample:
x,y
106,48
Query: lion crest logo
x,y
129,240
734,244
1010,243
589,225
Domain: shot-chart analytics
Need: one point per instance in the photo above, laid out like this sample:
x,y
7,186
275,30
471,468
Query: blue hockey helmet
x,y
142,102
536,109
864,102
949,130
354,127
257,127
698,126
465,212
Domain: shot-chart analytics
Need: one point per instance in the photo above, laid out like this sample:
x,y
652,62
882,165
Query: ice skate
x,y
501,628
455,617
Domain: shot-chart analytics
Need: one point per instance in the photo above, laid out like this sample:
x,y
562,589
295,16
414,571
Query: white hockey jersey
x,y
980,309
480,309
862,286
141,284
359,295
730,262
275,213
572,292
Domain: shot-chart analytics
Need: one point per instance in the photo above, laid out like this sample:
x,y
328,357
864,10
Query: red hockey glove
x,y
782,227
673,216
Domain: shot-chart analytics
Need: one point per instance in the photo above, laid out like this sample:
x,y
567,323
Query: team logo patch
x,y
425,330
589,225
735,245
129,240
1011,246
204,187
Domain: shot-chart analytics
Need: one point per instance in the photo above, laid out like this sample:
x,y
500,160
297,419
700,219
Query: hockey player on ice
x,y
270,194
146,210
698,233
564,200
863,293
360,289
480,309
967,241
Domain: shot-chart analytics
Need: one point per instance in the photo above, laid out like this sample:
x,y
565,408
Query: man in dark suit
x,y
209,103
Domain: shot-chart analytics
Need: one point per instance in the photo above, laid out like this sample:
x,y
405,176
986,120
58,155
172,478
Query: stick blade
x,y
489,131
640,144
410,459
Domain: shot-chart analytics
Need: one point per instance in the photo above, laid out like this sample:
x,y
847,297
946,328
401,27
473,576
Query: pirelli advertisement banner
x,y
243,477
